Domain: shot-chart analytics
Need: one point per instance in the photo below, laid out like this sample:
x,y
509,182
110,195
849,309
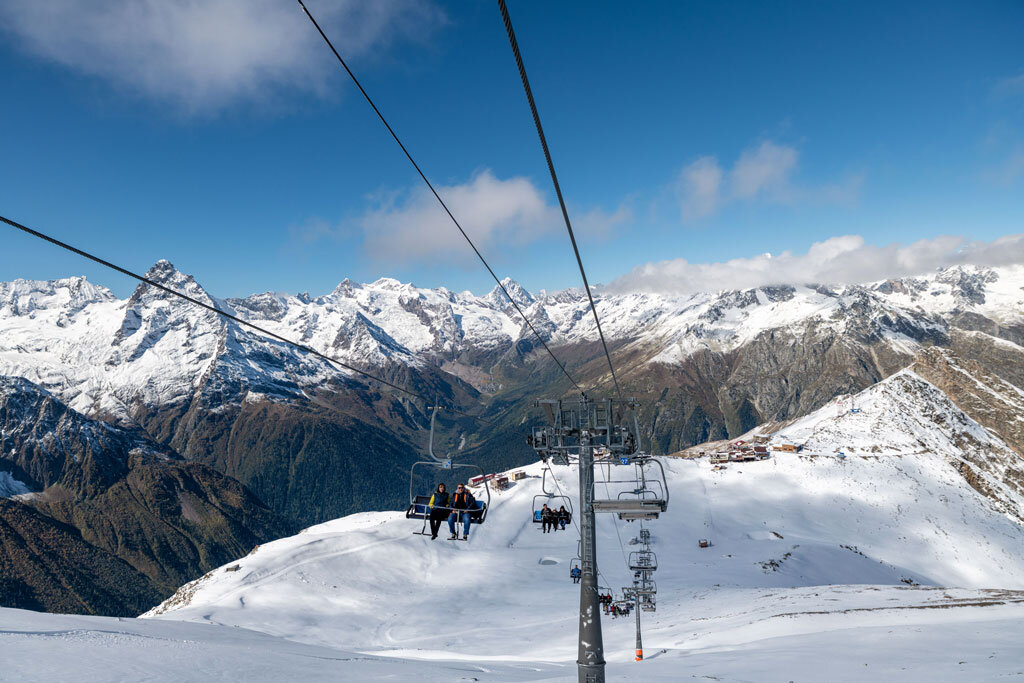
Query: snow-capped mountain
x,y
906,418
704,366
103,354
106,356
900,540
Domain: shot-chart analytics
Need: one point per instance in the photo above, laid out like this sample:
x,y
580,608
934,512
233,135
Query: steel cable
x,y
554,179
437,196
229,316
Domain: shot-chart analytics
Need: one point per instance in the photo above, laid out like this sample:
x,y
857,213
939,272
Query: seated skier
x,y
563,517
576,574
461,503
438,507
547,519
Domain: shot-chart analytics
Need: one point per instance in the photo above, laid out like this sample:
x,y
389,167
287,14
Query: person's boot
x,y
453,537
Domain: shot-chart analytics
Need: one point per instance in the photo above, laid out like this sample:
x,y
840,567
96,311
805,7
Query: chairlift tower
x,y
576,428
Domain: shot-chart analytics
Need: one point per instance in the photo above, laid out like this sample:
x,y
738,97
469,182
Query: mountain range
x,y
313,442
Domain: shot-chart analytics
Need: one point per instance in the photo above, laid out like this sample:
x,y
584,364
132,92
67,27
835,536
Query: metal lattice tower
x,y
576,429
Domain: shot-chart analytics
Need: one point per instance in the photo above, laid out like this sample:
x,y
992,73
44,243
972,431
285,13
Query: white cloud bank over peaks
x,y
201,55
411,226
837,260
762,173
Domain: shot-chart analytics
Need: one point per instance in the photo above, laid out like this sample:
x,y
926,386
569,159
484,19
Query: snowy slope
x,y
801,635
905,421
783,530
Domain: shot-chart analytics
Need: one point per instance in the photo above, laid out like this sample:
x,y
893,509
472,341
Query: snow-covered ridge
x,y
104,355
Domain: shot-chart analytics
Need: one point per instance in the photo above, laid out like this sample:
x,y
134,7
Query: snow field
x,y
851,532
362,598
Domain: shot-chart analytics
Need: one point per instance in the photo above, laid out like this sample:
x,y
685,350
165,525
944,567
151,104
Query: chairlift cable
x,y
554,179
229,316
438,196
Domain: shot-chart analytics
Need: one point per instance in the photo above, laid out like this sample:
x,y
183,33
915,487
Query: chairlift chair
x,y
540,500
646,496
648,587
419,505
643,560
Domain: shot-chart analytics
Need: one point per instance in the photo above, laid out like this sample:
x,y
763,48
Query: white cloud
x,y
202,55
837,260
411,227
1008,87
762,173
699,186
765,170
597,223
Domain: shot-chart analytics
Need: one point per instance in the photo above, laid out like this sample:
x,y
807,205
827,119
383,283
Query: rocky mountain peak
x,y
387,283
515,290
71,294
164,273
968,283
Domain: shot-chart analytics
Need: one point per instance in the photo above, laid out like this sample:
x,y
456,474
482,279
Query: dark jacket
x,y
564,514
463,501
548,514
439,500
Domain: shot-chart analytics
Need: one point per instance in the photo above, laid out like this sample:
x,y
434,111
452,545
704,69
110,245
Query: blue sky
x,y
686,136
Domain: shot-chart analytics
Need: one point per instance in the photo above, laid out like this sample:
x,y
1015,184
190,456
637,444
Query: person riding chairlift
x,y
576,573
563,517
461,503
547,518
438,507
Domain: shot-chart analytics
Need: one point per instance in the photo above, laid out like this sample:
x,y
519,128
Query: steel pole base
x,y
591,673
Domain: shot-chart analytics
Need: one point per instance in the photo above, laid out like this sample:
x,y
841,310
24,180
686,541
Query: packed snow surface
x,y
869,568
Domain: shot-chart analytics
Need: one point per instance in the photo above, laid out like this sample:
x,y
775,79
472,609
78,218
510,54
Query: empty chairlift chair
x,y
643,561
640,495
